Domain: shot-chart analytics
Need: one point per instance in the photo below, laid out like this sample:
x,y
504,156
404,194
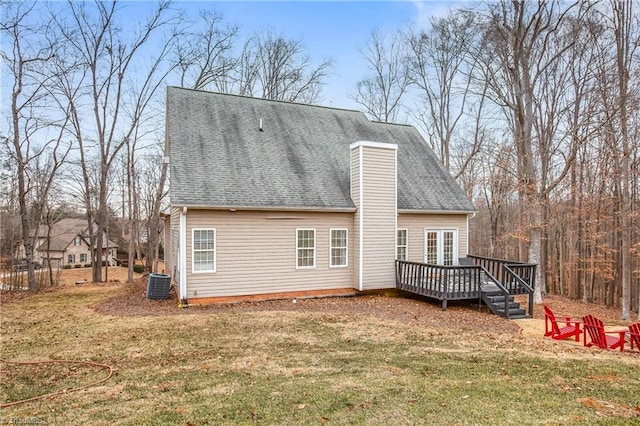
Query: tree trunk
x,y
131,251
535,221
625,48
157,205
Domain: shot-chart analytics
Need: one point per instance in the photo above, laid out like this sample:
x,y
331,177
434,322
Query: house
x,y
67,244
271,197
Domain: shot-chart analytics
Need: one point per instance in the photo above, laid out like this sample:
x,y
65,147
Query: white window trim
x,y
215,251
346,254
315,251
439,244
406,243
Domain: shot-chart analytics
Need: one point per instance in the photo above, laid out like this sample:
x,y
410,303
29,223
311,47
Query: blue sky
x,y
329,29
336,30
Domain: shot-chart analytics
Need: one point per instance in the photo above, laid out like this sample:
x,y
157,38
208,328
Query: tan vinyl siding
x,y
83,248
355,197
256,253
375,171
417,223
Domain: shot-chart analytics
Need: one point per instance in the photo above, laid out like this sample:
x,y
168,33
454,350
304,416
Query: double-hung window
x,y
339,248
204,250
305,248
402,244
71,258
440,246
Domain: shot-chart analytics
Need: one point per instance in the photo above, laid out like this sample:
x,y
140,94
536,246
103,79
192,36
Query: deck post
x,y
444,304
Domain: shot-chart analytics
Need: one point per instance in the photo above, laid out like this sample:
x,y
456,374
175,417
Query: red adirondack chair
x,y
567,328
634,334
594,328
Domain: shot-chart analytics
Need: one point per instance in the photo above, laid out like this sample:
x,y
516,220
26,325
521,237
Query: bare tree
x,y
581,122
10,235
152,200
204,58
142,119
442,68
623,99
272,67
382,92
497,188
106,58
523,40
37,159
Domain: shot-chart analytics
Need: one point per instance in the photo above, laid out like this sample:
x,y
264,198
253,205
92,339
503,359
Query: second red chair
x,y
594,328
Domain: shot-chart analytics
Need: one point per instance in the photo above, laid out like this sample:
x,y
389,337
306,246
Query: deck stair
x,y
495,300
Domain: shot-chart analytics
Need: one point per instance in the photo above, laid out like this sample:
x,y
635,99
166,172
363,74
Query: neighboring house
x,y
275,197
67,244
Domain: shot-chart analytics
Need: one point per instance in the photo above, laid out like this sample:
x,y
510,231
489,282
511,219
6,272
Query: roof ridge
x,y
269,100
393,124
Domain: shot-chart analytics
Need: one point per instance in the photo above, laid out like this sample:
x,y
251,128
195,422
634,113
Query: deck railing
x,y
466,281
516,284
516,277
440,282
506,270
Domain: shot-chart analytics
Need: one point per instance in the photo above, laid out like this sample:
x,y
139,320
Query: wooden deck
x,y
477,276
439,282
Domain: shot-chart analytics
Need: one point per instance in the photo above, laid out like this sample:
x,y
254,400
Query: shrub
x,y
138,269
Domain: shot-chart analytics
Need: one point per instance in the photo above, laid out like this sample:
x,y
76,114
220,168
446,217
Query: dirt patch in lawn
x,y
132,301
114,275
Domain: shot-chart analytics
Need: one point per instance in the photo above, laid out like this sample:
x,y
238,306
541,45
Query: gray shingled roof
x,y
219,158
63,233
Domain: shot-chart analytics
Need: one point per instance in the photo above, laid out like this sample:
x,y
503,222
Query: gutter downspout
x,y
182,255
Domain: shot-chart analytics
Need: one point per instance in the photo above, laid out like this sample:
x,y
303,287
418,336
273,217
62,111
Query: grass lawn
x,y
287,367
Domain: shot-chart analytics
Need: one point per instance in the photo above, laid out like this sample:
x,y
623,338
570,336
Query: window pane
x,y
402,237
338,237
204,260
306,238
204,244
305,257
338,257
401,244
306,248
338,247
432,247
447,247
203,239
401,253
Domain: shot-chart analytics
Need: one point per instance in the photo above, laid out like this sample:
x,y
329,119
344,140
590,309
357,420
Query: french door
x,y
441,246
